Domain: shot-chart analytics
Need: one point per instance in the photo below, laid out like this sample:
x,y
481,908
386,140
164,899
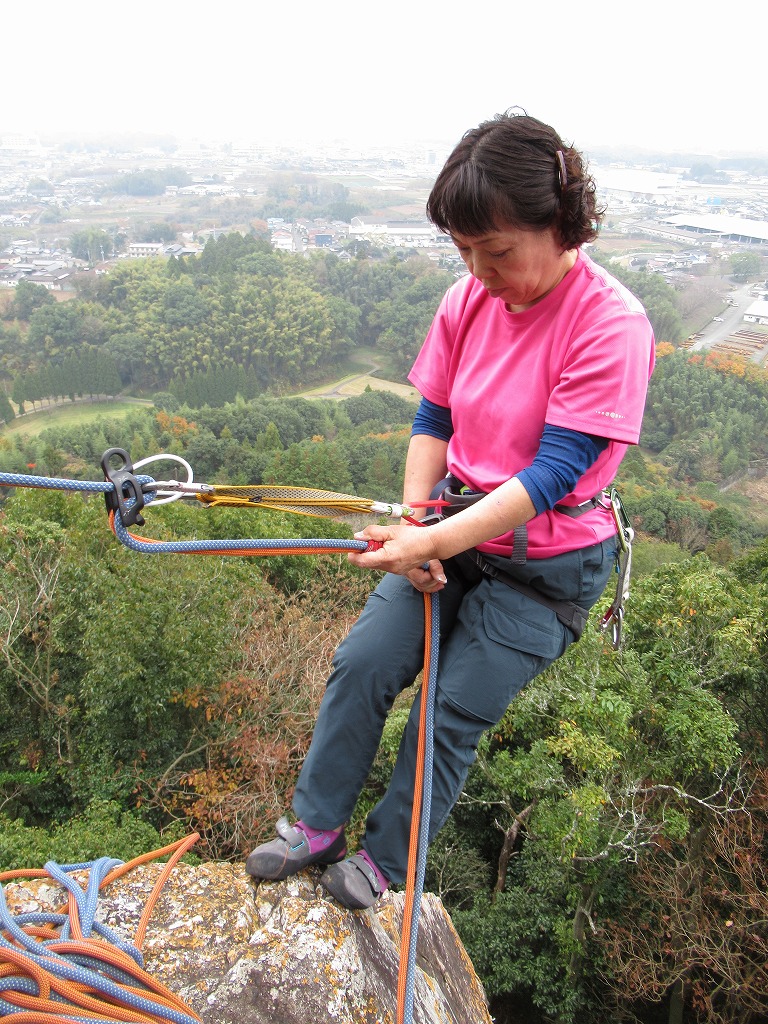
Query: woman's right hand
x,y
429,580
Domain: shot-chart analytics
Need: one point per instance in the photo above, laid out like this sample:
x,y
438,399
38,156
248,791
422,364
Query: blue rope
x,y
53,483
186,547
72,968
180,546
426,807
88,901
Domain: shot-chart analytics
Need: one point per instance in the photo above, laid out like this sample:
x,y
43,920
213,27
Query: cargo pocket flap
x,y
538,632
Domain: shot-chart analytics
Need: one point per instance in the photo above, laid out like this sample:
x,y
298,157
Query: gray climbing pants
x,y
493,640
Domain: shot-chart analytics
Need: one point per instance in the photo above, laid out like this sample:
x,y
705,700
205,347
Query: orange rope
x,y
418,794
86,1001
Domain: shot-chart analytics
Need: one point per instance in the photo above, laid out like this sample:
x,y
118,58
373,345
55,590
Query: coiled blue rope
x,y
101,978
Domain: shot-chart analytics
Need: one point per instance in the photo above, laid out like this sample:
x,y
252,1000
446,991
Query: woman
x,y
533,376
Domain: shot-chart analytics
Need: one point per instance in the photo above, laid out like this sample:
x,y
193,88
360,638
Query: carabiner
x,y
623,526
172,490
613,618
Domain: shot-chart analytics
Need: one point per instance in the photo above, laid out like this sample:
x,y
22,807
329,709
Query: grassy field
x,y
70,415
365,369
362,372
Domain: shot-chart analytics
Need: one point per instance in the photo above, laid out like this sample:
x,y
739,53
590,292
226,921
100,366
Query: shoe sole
x,y
279,865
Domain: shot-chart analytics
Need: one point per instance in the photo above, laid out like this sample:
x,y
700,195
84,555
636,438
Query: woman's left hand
x,y
406,551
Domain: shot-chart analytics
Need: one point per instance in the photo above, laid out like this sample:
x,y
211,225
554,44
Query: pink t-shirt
x,y
580,358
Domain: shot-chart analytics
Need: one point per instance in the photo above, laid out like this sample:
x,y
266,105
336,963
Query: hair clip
x,y
562,172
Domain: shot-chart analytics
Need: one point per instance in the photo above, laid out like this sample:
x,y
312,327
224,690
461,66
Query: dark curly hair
x,y
517,171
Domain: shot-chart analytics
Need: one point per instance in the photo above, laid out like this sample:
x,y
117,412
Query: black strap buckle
x,y
127,498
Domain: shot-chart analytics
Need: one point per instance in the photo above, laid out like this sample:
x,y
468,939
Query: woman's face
x,y
517,266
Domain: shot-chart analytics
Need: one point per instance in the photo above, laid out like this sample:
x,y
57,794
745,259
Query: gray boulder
x,y
281,952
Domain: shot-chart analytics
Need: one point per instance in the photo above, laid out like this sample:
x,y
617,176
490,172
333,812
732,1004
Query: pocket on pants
x,y
506,645
537,633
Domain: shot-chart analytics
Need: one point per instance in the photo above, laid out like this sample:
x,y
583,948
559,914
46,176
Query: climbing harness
x,y
473,564
613,619
61,967
128,493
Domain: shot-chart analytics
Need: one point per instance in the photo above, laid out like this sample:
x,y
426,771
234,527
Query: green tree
x,y
92,687
40,187
600,762
91,244
6,409
157,232
28,297
20,392
103,828
745,265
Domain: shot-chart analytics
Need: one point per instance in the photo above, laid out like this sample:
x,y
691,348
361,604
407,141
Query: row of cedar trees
x,y
90,374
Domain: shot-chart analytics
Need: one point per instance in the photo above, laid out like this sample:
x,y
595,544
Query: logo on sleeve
x,y
610,414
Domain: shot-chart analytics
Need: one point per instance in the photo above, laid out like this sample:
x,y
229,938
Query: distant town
x,y
665,219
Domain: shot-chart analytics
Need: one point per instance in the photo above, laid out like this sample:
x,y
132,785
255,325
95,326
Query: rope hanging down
x,y
127,494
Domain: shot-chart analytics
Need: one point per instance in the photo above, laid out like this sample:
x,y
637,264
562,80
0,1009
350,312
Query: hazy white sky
x,y
664,74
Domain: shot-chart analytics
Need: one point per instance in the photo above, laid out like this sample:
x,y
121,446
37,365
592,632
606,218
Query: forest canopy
x,y
270,320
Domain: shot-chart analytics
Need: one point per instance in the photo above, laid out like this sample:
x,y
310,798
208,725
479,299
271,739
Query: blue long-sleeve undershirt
x,y
564,455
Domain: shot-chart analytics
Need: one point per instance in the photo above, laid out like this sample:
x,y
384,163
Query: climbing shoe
x,y
356,882
295,849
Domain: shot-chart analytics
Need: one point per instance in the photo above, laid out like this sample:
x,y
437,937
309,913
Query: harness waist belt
x,y
572,615
460,497
600,500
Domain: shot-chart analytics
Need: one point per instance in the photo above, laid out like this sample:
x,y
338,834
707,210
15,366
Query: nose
x,y
478,267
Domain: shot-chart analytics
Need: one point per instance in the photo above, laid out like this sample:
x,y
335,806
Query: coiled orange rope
x,y
48,977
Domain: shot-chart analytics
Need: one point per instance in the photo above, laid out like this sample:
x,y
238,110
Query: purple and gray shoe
x,y
295,850
356,883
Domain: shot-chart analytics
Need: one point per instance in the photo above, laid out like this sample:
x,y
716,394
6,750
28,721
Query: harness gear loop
x,y
614,617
